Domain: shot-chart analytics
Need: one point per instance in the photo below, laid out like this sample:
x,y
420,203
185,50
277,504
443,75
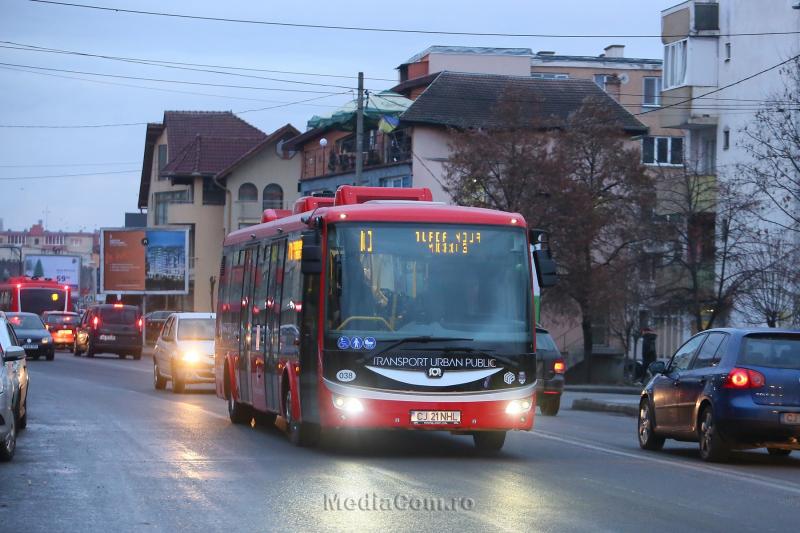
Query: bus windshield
x,y
37,300
396,280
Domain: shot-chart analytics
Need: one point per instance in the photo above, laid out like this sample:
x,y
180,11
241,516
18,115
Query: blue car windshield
x,y
771,350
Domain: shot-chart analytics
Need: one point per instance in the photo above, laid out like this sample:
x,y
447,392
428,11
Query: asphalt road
x,y
105,452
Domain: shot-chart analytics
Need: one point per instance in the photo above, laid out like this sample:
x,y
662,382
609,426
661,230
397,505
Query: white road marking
x,y
708,469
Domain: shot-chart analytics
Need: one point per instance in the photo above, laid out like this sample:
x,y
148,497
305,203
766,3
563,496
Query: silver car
x,y
184,351
13,390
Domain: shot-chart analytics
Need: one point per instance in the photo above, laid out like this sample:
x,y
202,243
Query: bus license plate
x,y
435,417
790,418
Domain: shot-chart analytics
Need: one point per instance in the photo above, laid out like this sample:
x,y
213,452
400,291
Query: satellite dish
x,y
624,78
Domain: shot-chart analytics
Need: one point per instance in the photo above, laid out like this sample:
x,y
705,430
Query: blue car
x,y
727,389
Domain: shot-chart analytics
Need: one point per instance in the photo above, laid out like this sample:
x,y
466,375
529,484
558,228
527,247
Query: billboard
x,y
139,261
65,269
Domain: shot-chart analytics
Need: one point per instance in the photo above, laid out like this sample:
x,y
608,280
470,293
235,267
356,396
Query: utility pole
x,y
360,129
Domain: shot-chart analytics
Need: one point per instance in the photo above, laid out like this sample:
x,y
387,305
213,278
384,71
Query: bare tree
x,y
772,140
705,231
582,182
770,295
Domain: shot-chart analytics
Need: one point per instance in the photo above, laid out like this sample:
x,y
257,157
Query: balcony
x,y
690,32
380,150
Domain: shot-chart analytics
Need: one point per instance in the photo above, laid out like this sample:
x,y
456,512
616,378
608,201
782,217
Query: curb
x,y
585,404
609,389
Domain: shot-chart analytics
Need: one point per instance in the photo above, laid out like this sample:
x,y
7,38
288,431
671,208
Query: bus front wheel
x,y
489,441
300,433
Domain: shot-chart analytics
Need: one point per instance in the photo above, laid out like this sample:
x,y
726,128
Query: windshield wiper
x,y
420,338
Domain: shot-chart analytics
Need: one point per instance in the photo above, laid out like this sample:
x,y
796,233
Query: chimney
x,y
614,50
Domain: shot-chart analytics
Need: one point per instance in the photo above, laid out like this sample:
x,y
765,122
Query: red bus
x,y
380,309
34,295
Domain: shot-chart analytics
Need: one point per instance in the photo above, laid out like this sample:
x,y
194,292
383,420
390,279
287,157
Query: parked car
x,y
726,389
13,390
550,370
153,322
184,352
110,328
33,335
61,326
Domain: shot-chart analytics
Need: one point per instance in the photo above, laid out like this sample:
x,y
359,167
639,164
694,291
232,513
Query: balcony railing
x,y
339,159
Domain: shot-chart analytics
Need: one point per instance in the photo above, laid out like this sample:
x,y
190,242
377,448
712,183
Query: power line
x,y
145,87
53,176
35,48
382,30
161,80
125,124
172,66
70,165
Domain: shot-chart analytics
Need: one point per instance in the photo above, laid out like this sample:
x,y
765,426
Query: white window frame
x,y
549,76
657,93
676,58
655,162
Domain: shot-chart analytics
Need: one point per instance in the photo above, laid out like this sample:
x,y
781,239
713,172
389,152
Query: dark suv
x,y
110,328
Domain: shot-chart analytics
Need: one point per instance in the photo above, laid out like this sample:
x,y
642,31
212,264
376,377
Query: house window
x,y
726,139
164,199
213,194
392,182
549,76
652,92
248,193
675,64
162,158
273,197
662,150
727,51
600,80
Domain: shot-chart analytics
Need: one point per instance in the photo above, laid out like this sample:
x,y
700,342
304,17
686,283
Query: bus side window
x,y
291,303
260,298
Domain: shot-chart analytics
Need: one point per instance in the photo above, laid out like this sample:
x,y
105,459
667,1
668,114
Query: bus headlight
x,y
516,407
190,357
349,405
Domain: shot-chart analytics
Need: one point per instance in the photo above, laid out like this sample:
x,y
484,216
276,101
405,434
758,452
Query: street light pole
x,y
360,129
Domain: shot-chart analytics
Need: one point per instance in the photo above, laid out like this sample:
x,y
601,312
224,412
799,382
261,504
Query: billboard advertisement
x,y
144,261
65,269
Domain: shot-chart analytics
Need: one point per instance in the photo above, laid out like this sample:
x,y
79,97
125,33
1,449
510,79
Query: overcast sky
x,y
89,202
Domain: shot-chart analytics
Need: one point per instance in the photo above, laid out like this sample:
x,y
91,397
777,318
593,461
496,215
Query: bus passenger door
x,y
246,325
272,353
258,337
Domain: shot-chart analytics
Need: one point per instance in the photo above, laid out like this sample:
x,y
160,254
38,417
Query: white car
x,y
184,351
13,390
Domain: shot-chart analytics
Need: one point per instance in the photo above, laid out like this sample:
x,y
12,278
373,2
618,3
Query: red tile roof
x,y
281,134
200,142
206,142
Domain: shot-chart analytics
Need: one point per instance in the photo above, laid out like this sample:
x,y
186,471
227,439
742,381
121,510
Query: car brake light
x,y
118,305
139,323
96,322
559,367
744,378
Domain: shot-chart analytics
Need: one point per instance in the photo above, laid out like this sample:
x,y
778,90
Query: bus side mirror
x,y
311,257
546,268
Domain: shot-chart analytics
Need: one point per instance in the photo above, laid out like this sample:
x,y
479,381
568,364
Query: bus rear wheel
x,y
237,412
489,441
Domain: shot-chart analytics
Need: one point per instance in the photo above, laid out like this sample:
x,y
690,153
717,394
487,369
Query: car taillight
x,y
96,322
139,323
744,378
559,367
